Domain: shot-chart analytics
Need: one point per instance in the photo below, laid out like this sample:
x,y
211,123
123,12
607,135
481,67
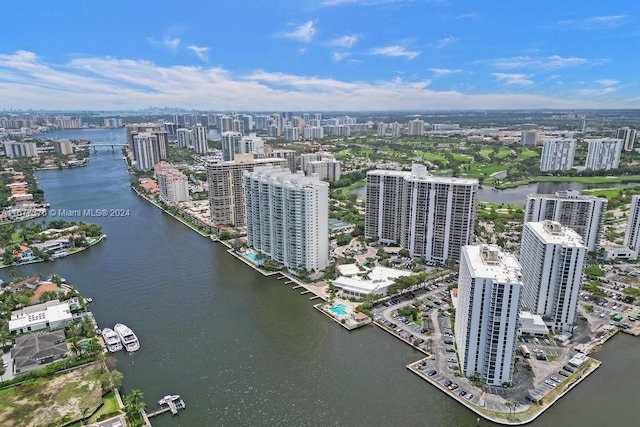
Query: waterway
x,y
247,350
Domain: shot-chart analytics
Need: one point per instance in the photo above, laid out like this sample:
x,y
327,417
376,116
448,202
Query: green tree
x,y
110,380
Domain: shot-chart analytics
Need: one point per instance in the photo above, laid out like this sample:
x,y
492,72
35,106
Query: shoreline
x,y
37,261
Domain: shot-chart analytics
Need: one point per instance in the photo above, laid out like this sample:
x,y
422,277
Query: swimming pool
x,y
253,258
338,309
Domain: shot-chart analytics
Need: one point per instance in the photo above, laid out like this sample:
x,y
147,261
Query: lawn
x,y
485,152
348,189
480,171
462,157
527,154
504,152
430,157
607,193
109,406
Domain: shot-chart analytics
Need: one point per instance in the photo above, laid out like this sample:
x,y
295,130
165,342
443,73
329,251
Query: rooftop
x,y
552,232
490,261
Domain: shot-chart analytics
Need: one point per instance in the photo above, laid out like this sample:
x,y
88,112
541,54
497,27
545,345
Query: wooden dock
x,y
296,287
172,406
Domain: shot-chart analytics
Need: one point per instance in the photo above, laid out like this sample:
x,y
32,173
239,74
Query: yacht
x,y
168,398
128,338
111,340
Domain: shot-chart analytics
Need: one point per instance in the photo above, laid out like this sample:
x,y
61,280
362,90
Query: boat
x,y
128,338
111,340
168,398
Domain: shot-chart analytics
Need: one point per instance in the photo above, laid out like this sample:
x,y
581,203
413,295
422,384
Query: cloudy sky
x,y
320,54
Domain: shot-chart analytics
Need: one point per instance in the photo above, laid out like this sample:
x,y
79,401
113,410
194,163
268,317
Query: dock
x,y
173,406
296,287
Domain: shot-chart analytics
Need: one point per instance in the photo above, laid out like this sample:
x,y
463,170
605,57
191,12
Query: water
x,y
338,309
247,350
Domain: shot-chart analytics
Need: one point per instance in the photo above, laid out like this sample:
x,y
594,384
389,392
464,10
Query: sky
x,y
319,55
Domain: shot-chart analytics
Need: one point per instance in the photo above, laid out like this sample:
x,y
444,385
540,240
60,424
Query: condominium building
x,y
489,288
416,127
430,216
184,137
552,258
199,139
233,143
173,184
604,153
154,129
14,149
288,217
557,154
529,138
291,133
62,146
313,132
290,155
583,214
323,164
396,128
632,234
382,129
146,146
226,192
113,123
628,136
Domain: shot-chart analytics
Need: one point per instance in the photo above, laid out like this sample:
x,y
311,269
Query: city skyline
x,y
397,55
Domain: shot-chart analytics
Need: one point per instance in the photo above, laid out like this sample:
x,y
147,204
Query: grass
x,y
480,171
527,154
348,189
109,406
485,152
504,152
430,157
462,157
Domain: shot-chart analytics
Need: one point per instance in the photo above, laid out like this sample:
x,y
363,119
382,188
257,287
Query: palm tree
x,y
76,347
94,348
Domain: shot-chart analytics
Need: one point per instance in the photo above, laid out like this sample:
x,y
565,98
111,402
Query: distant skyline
x,y
319,55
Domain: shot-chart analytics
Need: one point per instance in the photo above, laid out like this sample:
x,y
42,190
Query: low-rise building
x,y
32,351
376,282
51,314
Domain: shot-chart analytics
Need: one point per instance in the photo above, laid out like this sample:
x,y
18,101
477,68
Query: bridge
x,y
106,144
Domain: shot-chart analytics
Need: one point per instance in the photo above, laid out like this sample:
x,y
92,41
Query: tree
x,y
133,405
111,380
94,348
76,347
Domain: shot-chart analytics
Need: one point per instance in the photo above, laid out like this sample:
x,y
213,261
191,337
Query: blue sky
x,y
320,54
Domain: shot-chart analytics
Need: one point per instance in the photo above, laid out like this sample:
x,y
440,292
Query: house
x,y
54,245
24,254
51,314
32,351
25,285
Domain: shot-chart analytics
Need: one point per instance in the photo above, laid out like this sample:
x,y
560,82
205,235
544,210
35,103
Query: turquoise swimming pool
x,y
338,309
253,258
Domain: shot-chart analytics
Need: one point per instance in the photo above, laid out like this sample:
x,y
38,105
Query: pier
x,y
173,406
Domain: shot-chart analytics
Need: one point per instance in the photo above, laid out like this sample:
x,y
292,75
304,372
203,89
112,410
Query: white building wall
x,y
632,233
557,154
604,154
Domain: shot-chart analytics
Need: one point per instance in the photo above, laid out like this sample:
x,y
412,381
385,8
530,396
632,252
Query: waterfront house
x,y
51,314
32,351
24,254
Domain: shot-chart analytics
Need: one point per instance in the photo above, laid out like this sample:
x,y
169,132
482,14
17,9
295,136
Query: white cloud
x,y
553,62
339,56
522,80
395,50
594,22
345,41
167,42
362,2
607,82
444,71
304,33
201,52
105,83
445,42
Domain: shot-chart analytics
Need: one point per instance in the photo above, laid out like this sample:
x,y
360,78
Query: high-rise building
x,y
313,132
231,145
113,123
288,217
147,149
13,149
529,138
290,155
154,128
66,122
324,165
180,120
604,153
247,122
63,146
489,288
226,191
583,214
291,133
632,234
552,258
430,216
184,137
261,122
557,154
396,128
628,136
173,184
382,129
199,139
416,127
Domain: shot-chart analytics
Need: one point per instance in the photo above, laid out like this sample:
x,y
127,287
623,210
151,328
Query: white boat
x,y
128,338
168,398
111,340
